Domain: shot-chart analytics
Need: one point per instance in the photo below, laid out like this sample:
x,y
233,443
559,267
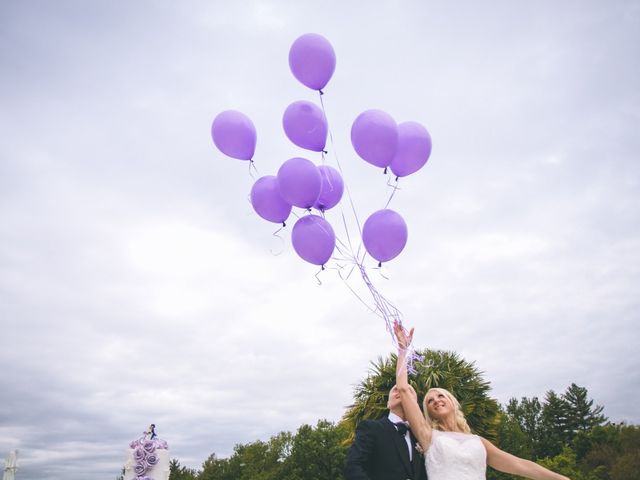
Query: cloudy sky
x,y
137,285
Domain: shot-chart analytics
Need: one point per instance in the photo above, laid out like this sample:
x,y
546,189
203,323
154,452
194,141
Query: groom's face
x,y
394,399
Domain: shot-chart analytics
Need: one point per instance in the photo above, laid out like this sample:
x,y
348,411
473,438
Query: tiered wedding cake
x,y
147,458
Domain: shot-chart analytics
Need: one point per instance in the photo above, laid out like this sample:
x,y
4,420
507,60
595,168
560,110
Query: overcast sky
x,y
137,285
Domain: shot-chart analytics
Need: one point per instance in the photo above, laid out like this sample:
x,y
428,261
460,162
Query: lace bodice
x,y
455,456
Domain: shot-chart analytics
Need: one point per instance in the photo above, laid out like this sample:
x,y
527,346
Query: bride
x,y
452,452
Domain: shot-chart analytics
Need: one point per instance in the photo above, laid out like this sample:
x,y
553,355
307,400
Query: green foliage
x,y
313,453
437,369
582,416
565,463
316,453
527,414
610,450
254,461
555,432
627,467
177,472
215,468
257,461
557,422
511,439
565,433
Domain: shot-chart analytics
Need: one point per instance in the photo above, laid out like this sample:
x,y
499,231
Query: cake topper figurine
x,y
151,431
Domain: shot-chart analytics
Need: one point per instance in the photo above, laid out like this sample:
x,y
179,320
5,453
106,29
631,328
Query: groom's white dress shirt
x,y
407,436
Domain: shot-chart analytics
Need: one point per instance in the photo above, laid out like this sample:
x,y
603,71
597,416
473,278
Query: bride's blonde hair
x,y
461,422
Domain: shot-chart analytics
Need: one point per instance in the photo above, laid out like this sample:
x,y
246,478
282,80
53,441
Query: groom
x,y
384,449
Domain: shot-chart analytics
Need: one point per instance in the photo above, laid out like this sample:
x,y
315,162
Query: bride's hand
x,y
404,339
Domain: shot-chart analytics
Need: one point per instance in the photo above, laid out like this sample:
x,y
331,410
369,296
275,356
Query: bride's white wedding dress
x,y
455,456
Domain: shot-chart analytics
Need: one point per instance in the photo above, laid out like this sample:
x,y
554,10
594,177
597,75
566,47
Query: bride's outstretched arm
x,y
418,424
507,463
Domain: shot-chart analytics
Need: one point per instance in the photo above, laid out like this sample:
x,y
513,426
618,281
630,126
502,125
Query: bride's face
x,y
438,405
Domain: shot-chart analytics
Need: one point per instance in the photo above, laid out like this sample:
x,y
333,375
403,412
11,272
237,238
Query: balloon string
x,y
367,306
346,186
383,307
276,234
393,192
346,229
390,314
379,269
252,165
335,155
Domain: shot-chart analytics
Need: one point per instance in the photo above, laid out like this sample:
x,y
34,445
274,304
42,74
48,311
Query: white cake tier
x,y
157,471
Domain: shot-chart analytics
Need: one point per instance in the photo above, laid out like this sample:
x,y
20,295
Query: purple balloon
x,y
384,235
234,134
312,60
300,182
313,239
267,201
374,135
332,188
305,125
414,148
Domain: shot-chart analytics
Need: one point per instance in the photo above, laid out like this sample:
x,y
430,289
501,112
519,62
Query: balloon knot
x,y
322,267
321,92
325,152
284,224
397,179
385,171
379,264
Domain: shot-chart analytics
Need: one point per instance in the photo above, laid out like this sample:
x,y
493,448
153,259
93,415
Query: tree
x,y
528,414
177,472
565,464
609,450
582,416
316,453
554,426
511,439
215,468
436,369
627,467
259,460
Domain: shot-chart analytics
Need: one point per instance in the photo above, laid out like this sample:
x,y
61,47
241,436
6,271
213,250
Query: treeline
x,y
311,453
568,434
565,432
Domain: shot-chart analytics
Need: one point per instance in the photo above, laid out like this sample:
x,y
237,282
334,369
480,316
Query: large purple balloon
x,y
374,135
300,182
313,239
267,201
312,60
305,125
332,188
234,134
384,235
414,148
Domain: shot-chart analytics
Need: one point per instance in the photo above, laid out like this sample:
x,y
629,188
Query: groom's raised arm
x,y
361,452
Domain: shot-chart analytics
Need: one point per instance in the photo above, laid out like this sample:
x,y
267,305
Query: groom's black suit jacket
x,y
379,452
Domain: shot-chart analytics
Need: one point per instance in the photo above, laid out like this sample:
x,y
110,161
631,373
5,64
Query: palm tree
x,y
436,368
